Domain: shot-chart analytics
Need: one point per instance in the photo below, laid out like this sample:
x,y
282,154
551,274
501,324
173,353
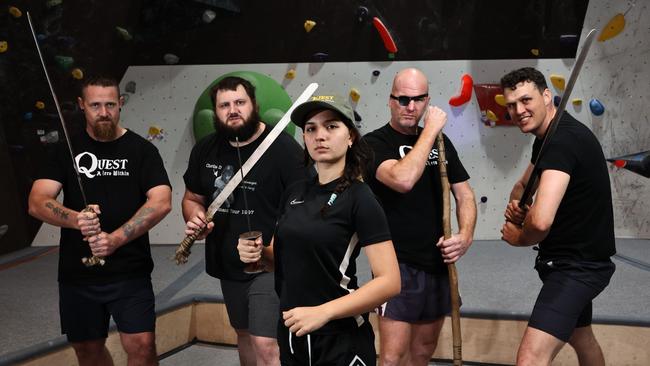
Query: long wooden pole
x,y
453,274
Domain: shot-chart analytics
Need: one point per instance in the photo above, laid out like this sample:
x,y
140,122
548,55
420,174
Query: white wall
x,y
616,72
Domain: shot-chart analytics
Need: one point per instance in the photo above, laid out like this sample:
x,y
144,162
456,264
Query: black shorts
x,y
85,310
423,297
355,347
564,302
253,305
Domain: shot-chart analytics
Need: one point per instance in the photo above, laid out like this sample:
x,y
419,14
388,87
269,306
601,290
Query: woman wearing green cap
x,y
324,222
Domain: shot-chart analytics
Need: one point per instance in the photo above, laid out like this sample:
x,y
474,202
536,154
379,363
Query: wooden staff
x,y
453,274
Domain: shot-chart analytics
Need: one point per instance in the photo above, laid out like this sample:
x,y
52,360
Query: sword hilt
x,y
94,260
184,248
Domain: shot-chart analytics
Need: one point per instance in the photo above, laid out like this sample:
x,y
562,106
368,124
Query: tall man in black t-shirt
x,y
571,219
406,178
124,179
251,301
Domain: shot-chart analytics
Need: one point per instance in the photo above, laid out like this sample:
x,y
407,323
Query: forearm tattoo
x,y
57,211
136,222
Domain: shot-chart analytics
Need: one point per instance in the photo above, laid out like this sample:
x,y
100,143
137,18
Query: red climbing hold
x,y
465,92
385,35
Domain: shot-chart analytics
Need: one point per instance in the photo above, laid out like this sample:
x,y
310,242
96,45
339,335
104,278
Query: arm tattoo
x,y
137,221
57,211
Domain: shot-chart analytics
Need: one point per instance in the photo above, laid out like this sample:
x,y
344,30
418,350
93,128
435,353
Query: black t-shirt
x,y
116,175
315,254
213,162
415,217
583,228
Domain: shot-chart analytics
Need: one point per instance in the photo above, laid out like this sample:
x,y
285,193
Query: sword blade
x,y
58,110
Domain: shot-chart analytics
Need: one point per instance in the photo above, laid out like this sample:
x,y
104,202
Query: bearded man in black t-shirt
x,y
406,178
124,179
251,301
571,219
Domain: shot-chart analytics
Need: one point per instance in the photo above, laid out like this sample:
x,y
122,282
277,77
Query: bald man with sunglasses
x,y
405,177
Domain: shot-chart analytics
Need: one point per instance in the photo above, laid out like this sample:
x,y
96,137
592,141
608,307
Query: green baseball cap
x,y
317,102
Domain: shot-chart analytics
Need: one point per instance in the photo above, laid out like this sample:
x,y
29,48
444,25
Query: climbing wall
x,y
616,73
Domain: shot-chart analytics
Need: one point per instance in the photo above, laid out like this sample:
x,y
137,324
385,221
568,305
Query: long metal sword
x,y
580,60
87,261
183,250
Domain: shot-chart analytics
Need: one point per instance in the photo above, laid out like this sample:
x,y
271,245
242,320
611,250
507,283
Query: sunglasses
x,y
404,100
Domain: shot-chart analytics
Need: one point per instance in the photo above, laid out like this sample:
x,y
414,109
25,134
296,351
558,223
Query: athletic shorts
x,y
85,310
253,305
355,347
564,302
424,297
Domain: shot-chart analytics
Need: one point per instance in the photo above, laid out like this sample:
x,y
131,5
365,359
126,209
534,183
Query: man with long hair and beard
x,y
251,301
124,179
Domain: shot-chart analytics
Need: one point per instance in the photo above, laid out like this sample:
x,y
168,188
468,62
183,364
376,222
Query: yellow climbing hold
x,y
3,46
535,51
500,99
613,28
576,101
355,95
155,130
290,74
309,24
39,105
558,82
77,73
491,116
15,12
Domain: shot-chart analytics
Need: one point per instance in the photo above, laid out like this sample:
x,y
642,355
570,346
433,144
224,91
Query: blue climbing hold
x,y
483,199
556,100
28,116
597,108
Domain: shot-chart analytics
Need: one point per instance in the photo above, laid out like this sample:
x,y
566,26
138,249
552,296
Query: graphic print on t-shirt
x,y
91,167
222,177
431,160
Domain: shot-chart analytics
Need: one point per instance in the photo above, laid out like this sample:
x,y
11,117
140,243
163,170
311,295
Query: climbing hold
x,y
28,116
507,117
355,95
389,43
155,132
556,100
362,14
124,34
41,37
208,16
491,116
613,28
39,105
3,46
291,74
376,72
171,59
500,99
483,199
309,24
558,82
576,101
77,73
638,163
130,87
51,137
15,12
465,93
320,56
64,62
568,39
535,51
597,108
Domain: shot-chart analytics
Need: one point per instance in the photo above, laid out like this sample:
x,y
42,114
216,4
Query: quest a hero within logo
x,y
91,167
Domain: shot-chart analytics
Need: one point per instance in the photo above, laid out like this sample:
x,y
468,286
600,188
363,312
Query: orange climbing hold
x,y
613,28
465,93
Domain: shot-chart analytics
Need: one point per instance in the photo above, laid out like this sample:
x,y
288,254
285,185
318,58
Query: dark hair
x,y
99,80
231,83
356,159
511,79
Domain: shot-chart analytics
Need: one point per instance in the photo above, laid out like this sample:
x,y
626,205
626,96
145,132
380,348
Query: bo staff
x,y
453,274
531,185
94,260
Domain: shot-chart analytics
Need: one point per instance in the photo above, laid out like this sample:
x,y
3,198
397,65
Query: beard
x,y
104,131
243,132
